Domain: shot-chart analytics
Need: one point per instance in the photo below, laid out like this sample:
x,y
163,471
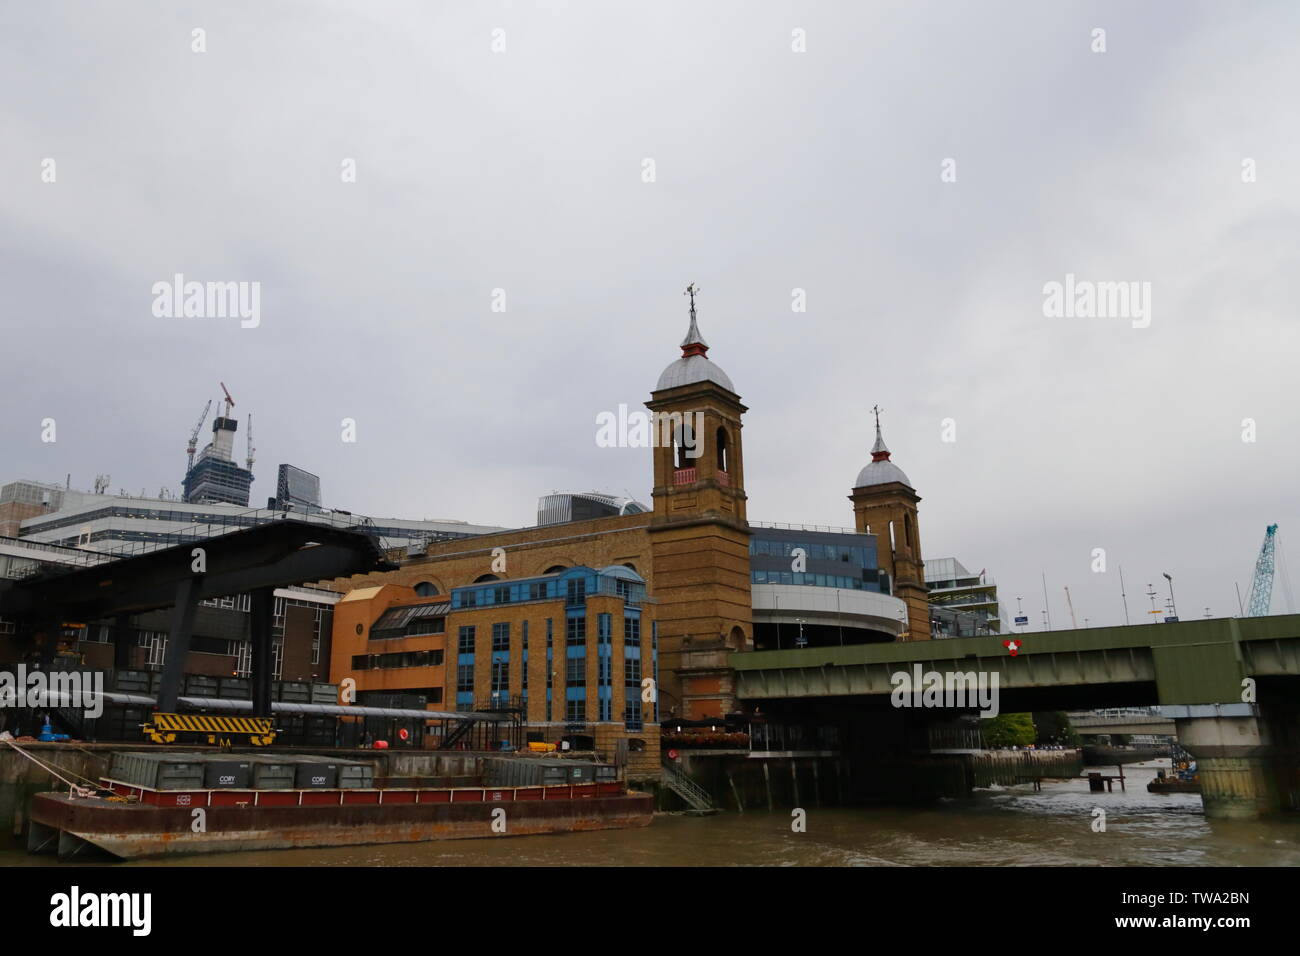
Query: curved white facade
x,y
791,603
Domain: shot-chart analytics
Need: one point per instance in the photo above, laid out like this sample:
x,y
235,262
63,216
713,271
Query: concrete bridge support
x,y
1247,767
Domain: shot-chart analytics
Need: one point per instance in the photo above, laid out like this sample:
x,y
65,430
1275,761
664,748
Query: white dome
x,y
880,470
690,369
881,473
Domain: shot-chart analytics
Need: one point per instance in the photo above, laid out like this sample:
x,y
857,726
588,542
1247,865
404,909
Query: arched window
x,y
426,589
684,441
724,453
630,566
907,529
555,569
486,577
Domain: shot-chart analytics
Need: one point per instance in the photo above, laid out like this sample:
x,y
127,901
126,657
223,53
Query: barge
x,y
233,809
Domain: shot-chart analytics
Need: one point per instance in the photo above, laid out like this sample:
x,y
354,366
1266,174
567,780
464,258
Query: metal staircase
x,y
696,797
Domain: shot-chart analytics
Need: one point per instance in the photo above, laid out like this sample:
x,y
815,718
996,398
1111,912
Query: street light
x,y
1172,604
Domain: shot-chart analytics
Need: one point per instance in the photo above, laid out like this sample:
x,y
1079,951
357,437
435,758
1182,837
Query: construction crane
x,y
230,402
1261,586
251,449
194,436
1070,604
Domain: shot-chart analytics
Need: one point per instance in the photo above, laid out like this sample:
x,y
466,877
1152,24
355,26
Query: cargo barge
x,y
190,804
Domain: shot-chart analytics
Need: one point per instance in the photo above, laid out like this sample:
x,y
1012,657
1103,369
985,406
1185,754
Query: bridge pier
x,y
1245,770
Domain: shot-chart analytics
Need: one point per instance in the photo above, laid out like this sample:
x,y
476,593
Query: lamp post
x,y
1172,603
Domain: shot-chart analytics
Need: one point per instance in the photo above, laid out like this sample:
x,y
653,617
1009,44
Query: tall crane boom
x,y
251,449
194,436
230,402
1261,586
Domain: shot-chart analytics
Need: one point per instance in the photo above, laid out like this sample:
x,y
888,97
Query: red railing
x,y
684,476
724,479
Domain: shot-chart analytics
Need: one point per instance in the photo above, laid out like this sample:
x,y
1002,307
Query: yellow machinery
x,y
215,728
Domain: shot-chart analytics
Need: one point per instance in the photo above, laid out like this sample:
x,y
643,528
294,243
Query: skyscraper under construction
x,y
215,475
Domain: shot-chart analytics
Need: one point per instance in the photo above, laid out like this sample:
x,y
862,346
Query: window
x,y
467,639
501,636
631,632
575,672
576,630
426,589
575,710
465,678
632,673
500,678
723,454
575,591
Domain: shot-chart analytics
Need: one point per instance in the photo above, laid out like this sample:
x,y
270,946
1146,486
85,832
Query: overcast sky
x,y
774,170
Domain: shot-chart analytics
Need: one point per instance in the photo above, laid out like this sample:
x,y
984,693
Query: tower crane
x,y
194,436
230,402
251,450
1261,586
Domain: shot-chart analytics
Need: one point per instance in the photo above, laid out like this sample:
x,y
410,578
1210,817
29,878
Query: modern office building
x,y
563,507
20,500
296,490
122,524
962,604
819,587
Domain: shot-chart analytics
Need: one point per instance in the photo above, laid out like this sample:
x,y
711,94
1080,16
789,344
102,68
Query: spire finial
x,y
694,343
879,452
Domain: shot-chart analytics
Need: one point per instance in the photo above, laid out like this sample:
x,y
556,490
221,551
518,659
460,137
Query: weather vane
x,y
691,290
877,409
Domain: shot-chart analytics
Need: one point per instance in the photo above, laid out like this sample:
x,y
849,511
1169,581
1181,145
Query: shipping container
x,y
225,774
294,692
199,685
324,693
235,688
158,771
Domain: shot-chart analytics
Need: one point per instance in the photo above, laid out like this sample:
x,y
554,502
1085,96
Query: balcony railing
x,y
724,479
684,476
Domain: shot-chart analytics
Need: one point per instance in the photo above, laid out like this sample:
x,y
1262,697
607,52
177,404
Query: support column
x,y
261,607
178,644
1235,758
122,641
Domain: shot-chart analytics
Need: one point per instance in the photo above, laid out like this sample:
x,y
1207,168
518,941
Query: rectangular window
x,y
632,671
575,591
465,678
576,630
631,632
500,678
501,637
575,672
575,710
467,639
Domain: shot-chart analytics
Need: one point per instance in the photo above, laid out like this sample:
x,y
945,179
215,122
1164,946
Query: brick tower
x,y
884,504
699,536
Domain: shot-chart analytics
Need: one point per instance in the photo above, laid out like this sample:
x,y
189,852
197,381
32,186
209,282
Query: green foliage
x,y
1054,728
1009,730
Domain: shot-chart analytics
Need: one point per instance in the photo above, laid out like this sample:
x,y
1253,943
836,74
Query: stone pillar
x,y
1236,758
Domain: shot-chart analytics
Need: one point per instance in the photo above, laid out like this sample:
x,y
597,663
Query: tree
x,y
1009,730
1054,728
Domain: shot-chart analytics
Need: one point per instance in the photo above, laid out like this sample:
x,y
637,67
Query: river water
x,y
1010,827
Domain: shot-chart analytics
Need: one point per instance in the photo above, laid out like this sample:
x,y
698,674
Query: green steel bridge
x,y
1232,686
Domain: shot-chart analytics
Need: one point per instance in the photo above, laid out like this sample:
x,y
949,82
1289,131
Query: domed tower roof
x,y
694,365
880,470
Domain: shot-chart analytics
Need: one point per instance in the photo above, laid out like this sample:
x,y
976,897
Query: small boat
x,y
1182,777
